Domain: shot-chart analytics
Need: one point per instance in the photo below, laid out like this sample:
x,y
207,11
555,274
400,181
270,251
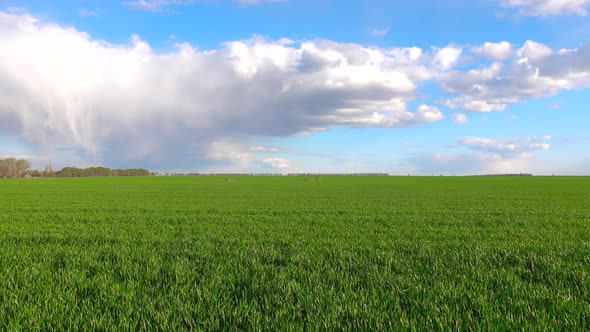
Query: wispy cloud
x,y
460,118
483,156
549,7
257,2
506,147
277,163
264,149
157,5
89,13
17,10
380,32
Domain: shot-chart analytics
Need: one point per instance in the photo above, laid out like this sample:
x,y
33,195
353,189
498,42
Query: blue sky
x,y
403,87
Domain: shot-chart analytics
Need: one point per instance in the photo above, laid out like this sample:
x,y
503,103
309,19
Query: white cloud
x,y
157,5
427,114
485,156
227,150
17,10
460,118
235,156
116,104
264,149
447,57
468,164
533,51
59,87
535,71
549,7
379,32
257,2
467,103
89,13
277,163
506,147
495,51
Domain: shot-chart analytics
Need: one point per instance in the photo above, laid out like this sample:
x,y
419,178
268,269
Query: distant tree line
x,y
275,174
337,174
20,168
74,172
14,168
507,174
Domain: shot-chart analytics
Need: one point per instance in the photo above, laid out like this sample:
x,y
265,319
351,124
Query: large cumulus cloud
x,y
59,87
70,96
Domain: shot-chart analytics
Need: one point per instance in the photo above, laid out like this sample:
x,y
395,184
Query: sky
x,y
432,87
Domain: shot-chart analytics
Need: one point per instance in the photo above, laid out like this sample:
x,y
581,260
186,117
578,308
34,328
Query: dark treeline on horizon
x,y
276,174
19,168
506,174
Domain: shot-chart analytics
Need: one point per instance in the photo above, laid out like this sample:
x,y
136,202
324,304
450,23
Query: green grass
x,y
291,253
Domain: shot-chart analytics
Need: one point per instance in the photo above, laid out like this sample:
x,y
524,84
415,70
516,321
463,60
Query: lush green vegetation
x,y
358,253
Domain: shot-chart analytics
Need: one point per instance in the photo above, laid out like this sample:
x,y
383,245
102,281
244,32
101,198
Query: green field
x,y
293,253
